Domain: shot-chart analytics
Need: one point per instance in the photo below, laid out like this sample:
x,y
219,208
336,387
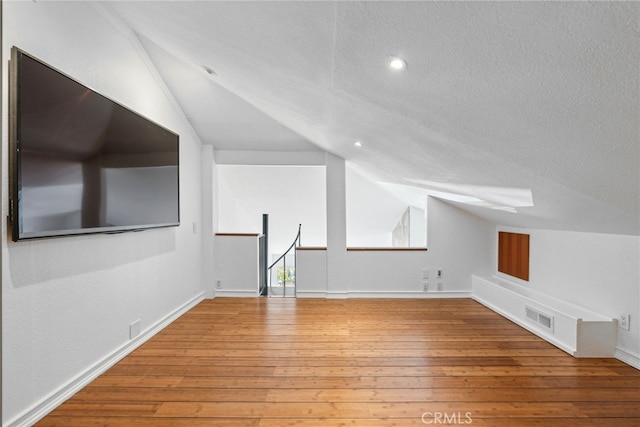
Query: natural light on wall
x,y
381,217
501,198
382,214
291,195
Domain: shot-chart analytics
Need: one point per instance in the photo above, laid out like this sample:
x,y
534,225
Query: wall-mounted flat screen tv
x,y
82,163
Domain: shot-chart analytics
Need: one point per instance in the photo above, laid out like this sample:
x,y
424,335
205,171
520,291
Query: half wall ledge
x,y
386,249
578,331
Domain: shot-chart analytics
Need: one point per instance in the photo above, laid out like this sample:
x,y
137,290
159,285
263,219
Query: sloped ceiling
x,y
525,113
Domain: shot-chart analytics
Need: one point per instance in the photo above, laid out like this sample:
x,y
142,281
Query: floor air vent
x,y
541,319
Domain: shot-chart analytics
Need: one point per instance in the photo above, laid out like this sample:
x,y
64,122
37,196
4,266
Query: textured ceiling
x,y
499,99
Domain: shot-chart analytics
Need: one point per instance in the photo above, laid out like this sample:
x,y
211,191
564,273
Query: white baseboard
x,y
415,295
392,294
311,294
350,294
631,359
38,410
236,293
336,295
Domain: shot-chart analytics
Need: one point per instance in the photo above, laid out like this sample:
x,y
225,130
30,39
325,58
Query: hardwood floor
x,y
357,362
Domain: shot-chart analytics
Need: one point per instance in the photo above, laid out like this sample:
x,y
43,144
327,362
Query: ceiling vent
x,y
541,319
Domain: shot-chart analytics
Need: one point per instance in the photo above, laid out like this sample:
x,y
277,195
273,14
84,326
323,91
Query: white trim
x,y
578,331
543,300
628,357
236,293
38,410
386,294
311,294
415,295
337,295
547,337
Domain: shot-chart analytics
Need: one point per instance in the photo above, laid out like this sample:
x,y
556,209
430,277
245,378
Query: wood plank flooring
x,y
357,362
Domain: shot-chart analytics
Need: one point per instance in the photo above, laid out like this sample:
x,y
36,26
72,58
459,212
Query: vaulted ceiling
x,y
525,113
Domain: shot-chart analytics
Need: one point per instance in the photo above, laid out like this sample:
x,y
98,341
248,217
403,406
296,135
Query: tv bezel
x,y
15,161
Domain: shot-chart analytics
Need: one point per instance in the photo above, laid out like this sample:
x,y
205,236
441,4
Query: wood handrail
x,y
238,234
373,249
363,249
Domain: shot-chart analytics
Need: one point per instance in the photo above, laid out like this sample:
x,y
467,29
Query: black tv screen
x,y
82,163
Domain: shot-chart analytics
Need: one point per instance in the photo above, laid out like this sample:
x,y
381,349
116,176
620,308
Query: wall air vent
x,y
539,318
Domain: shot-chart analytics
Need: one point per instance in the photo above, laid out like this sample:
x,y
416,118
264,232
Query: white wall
x,y
597,271
209,217
371,212
311,273
458,243
336,227
236,266
417,227
233,217
291,195
68,302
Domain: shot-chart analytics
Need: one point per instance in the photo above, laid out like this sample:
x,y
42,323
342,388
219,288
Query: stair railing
x,y
283,257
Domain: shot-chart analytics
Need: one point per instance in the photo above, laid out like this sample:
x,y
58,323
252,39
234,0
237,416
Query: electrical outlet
x,y
624,322
440,273
439,286
218,284
425,287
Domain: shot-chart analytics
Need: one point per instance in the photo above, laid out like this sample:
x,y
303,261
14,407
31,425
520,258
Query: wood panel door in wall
x,y
513,254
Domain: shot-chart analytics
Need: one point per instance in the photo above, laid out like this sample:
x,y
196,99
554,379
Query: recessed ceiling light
x,y
358,144
209,70
396,63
